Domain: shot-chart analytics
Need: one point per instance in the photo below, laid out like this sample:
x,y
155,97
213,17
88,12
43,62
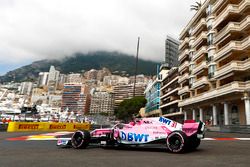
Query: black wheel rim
x,y
78,138
175,142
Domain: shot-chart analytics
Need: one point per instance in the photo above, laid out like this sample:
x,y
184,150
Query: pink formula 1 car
x,y
177,137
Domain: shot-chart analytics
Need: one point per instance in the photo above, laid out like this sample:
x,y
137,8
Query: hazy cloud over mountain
x,y
35,29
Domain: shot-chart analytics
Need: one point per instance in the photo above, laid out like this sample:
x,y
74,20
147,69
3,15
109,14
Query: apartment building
x,y
215,63
169,96
43,79
126,91
75,98
152,93
26,88
102,102
53,79
171,50
74,78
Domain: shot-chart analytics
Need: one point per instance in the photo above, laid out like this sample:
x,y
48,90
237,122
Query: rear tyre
x,y
80,139
194,142
177,142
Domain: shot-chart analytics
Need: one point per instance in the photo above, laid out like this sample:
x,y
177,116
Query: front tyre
x,y
80,139
177,142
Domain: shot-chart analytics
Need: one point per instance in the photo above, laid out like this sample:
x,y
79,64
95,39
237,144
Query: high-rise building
x,y
113,80
26,88
122,92
215,64
75,98
43,79
102,73
152,93
171,52
62,79
139,79
92,74
74,78
102,102
53,79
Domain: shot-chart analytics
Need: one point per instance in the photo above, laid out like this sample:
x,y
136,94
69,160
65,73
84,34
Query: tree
x,y
196,7
130,107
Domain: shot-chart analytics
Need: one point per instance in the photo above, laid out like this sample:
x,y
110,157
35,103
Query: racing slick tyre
x,y
177,142
194,142
80,139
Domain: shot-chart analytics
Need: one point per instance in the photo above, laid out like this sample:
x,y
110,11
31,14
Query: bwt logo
x,y
134,137
165,120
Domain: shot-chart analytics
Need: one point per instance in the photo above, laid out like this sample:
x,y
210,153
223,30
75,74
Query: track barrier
x,y
46,126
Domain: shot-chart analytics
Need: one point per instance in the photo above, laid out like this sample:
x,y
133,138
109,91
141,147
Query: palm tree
x,y
196,7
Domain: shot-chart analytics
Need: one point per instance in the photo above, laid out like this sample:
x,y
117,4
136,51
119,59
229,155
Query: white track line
x,y
243,139
208,139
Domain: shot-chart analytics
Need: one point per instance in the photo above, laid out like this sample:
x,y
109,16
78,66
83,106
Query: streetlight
x,y
136,63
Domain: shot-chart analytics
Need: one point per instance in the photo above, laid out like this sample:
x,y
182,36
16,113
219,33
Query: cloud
x,y
36,29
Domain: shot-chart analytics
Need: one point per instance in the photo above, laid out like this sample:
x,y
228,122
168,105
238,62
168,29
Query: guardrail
x,y
231,128
46,126
28,126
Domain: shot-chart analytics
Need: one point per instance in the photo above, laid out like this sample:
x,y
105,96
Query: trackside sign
x,y
46,126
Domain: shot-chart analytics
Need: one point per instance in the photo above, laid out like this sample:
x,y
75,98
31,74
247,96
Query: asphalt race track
x,y
44,153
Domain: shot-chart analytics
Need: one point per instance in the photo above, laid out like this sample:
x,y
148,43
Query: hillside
x,y
76,63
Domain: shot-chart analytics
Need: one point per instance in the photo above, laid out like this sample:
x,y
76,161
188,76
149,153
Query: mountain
x,y
114,61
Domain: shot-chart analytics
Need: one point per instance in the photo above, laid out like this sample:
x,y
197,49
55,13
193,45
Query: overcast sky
x,y
36,29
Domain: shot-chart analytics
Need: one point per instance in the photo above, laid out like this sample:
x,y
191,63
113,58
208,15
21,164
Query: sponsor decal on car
x,y
151,128
168,122
165,120
134,137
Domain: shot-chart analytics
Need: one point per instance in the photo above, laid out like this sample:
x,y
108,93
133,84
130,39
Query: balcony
x,y
183,54
183,66
233,45
183,78
236,9
199,68
217,5
230,88
170,82
202,36
231,67
201,23
170,93
169,103
200,82
183,90
233,26
183,43
199,53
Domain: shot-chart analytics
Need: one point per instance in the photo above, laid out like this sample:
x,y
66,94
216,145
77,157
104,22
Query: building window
x,y
211,70
190,32
210,24
191,67
191,81
191,55
210,56
210,39
209,10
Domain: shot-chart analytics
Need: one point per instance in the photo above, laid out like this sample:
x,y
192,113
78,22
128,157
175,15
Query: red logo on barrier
x,y
79,126
28,126
57,126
